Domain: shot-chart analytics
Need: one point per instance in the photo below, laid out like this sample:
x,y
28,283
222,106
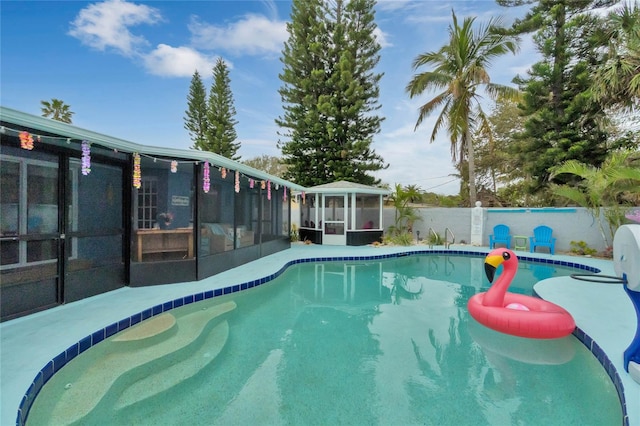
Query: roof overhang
x,y
11,116
344,187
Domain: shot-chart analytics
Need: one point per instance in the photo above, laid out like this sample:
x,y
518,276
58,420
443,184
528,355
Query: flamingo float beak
x,y
491,263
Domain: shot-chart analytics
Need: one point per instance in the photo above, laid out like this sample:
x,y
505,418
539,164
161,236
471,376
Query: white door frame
x,y
334,227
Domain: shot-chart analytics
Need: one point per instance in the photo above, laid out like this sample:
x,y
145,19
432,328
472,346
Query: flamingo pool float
x,y
634,216
516,314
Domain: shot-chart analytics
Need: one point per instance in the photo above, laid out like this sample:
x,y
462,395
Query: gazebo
x,y
341,213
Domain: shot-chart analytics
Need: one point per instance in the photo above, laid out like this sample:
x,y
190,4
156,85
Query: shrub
x,y
582,248
401,239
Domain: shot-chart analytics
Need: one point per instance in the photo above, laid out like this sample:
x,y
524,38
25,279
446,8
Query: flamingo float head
x,y
508,259
498,257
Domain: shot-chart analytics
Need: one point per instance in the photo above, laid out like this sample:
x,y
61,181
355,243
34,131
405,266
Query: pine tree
x,y
221,134
303,78
195,120
330,93
563,122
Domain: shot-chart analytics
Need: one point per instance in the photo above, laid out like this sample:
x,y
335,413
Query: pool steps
x,y
85,394
166,378
147,329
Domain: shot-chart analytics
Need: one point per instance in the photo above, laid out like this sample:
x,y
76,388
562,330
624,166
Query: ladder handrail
x,y
453,238
435,234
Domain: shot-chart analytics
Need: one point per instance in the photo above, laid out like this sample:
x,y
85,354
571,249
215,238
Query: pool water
x,y
367,342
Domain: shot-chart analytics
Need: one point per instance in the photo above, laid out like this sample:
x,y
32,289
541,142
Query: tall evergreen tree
x,y
330,93
563,123
303,78
195,120
57,110
221,133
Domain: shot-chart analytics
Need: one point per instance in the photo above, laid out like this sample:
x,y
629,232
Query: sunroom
x,y
83,213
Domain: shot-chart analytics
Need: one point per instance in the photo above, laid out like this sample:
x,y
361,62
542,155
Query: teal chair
x,y
542,238
500,235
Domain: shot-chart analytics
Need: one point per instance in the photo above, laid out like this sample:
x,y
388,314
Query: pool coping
x,y
20,332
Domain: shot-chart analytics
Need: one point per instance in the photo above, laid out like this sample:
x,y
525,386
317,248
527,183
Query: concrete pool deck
x,y
602,311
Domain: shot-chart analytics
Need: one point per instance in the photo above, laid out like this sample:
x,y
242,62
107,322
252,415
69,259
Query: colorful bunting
x,y
26,140
137,175
86,158
206,182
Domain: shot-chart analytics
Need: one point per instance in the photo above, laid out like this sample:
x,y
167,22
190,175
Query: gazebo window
x,y
367,211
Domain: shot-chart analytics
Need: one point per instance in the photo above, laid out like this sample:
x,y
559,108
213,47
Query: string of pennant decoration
x,y
137,174
86,158
206,182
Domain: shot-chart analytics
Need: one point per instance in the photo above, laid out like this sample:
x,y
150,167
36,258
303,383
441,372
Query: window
x,y
28,206
148,203
367,211
164,211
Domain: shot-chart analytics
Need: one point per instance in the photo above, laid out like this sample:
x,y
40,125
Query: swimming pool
x,y
363,341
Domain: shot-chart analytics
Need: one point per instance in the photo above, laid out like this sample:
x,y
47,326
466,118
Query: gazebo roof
x,y
342,186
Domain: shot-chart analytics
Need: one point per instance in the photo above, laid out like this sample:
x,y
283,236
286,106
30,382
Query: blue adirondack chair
x,y
542,238
500,236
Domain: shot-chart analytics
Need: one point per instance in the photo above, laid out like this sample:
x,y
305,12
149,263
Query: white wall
x,y
568,224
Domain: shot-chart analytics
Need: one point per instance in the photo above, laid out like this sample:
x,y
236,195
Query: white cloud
x,y
251,35
106,25
271,7
382,38
412,158
168,61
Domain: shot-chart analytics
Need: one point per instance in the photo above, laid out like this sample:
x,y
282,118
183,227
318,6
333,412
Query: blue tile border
x,y
98,336
608,366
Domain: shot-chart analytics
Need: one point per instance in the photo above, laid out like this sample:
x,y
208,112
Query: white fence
x,y
568,224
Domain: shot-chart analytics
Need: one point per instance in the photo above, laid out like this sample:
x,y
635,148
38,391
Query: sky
x,y
124,68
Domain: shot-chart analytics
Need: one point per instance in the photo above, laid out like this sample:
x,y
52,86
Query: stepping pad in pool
x,y
85,393
150,328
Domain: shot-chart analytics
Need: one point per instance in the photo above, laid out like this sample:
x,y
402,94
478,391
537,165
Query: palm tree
x,y
617,79
459,70
604,190
406,215
57,110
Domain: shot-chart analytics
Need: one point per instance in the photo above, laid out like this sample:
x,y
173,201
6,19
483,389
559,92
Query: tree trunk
x,y
472,168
